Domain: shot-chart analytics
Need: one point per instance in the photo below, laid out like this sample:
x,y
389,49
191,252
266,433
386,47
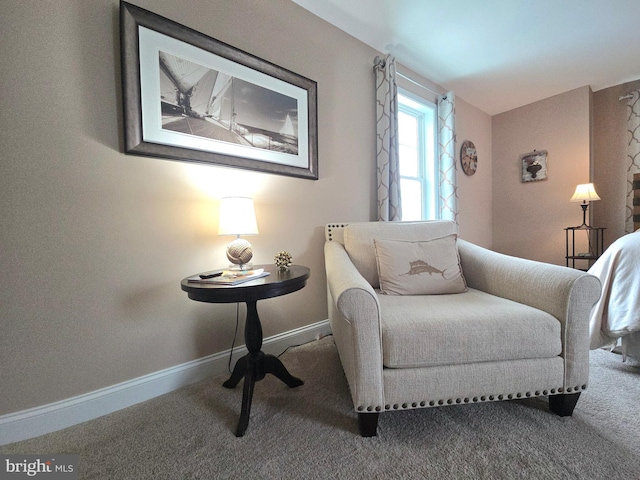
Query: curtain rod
x,y
381,63
418,84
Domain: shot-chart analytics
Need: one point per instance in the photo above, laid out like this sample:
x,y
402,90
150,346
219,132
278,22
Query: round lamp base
x,y
239,252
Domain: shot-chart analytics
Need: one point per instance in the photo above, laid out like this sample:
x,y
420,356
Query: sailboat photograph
x,y
203,102
189,97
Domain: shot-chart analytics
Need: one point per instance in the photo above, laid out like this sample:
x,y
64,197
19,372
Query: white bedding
x,y
617,313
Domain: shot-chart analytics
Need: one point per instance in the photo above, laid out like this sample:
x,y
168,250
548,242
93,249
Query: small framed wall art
x,y
534,166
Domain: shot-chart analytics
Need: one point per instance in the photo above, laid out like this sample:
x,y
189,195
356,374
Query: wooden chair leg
x,y
368,423
563,405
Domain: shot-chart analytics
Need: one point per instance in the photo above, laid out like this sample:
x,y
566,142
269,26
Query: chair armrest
x,y
565,293
540,285
343,277
354,314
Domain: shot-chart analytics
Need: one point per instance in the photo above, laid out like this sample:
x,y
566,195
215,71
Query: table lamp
x,y
238,217
585,193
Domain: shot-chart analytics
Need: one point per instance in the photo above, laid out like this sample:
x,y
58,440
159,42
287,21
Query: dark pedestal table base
x,y
253,367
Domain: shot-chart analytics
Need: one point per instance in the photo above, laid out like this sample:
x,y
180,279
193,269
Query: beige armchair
x,y
517,329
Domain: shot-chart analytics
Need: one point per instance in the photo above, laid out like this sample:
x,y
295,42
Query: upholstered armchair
x,y
422,319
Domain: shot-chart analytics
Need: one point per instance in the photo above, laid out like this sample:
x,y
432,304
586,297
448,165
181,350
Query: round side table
x,y
255,364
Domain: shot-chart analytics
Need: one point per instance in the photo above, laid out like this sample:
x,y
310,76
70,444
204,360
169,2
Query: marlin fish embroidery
x,y
420,266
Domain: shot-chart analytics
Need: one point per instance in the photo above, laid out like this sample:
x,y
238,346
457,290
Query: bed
x,y
615,319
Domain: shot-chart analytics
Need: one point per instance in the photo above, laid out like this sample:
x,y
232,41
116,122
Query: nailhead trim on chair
x,y
337,225
483,398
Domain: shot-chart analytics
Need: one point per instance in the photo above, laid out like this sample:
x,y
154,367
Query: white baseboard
x,y
33,422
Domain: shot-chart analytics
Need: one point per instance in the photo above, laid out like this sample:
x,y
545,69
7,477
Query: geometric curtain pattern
x,y
448,189
633,157
387,160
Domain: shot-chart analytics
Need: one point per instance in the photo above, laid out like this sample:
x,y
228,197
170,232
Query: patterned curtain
x,y
448,190
633,153
389,204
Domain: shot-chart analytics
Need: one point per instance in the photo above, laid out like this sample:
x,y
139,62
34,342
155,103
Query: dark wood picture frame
x,y
154,123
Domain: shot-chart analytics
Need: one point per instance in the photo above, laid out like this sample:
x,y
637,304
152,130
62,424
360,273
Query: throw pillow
x,y
419,268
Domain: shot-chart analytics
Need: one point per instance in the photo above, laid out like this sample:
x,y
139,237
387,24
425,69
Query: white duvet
x,y
617,313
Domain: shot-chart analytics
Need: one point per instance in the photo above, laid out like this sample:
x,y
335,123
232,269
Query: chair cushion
x,y
358,240
427,330
419,268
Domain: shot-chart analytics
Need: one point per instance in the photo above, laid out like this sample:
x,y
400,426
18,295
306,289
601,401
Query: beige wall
x,y
94,243
610,159
529,218
476,199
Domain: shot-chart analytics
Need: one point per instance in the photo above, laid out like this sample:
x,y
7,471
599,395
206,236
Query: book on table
x,y
228,277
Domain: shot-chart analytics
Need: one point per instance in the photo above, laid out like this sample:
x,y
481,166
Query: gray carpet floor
x,y
311,432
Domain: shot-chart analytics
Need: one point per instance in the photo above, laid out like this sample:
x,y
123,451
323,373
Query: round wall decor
x,y
468,157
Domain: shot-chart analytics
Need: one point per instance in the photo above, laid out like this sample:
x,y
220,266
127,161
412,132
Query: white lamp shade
x,y
237,217
585,193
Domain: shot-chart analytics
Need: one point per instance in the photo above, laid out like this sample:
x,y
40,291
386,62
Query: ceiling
x,y
499,54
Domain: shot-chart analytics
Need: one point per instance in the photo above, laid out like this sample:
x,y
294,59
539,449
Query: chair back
x,y
357,239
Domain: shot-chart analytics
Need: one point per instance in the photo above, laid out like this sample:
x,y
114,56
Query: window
x,y
417,152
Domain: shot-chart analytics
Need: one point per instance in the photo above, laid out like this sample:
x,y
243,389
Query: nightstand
x,y
594,239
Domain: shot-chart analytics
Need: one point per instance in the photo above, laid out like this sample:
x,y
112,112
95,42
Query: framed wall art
x,y
190,97
534,166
